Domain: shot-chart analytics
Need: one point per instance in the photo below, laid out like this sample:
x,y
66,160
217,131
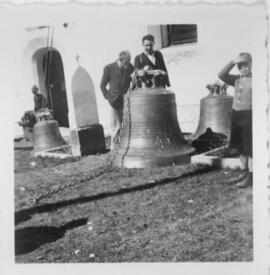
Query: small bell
x,y
215,111
47,134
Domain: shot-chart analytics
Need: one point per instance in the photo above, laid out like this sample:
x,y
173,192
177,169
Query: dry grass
x,y
196,218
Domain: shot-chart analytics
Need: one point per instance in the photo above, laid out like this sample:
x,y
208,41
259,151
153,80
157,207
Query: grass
x,y
116,218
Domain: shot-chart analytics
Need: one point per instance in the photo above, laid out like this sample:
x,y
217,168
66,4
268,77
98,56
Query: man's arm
x,y
127,78
166,77
104,82
138,63
225,76
138,68
132,71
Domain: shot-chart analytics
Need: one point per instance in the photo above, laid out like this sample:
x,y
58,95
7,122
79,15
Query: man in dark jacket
x,y
151,60
117,76
38,98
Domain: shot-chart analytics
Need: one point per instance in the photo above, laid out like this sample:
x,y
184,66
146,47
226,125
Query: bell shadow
x,y
26,214
29,239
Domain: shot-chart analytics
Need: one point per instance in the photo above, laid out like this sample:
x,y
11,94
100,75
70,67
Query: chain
x,y
127,120
38,197
101,170
109,165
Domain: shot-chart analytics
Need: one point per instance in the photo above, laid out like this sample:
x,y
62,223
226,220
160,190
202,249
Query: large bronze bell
x,y
47,134
151,133
215,111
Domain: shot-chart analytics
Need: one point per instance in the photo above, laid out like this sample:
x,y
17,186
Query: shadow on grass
x,y
30,148
29,239
26,214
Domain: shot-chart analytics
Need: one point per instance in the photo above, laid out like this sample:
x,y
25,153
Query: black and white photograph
x,y
137,133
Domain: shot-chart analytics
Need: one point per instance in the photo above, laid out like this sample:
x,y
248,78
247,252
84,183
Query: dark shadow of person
x,y
29,239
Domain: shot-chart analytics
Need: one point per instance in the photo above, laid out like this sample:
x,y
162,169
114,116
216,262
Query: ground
x,y
124,216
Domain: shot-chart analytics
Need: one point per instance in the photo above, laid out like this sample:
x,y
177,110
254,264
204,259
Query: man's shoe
x,y
245,182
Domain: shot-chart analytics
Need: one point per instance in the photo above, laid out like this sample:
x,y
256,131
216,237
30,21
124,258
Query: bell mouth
x,y
144,161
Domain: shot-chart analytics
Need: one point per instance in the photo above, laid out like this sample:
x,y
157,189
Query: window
x,y
178,34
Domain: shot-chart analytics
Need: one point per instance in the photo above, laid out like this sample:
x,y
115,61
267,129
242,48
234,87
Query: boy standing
x,y
241,124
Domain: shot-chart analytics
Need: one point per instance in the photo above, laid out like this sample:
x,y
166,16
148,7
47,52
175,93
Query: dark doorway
x,y
55,86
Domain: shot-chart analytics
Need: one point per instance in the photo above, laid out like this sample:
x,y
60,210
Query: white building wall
x,y
97,34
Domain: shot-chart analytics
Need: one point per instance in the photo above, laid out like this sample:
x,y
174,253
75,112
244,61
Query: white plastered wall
x,y
97,34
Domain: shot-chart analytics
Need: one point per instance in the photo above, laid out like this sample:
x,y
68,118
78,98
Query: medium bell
x,y
215,111
47,134
151,135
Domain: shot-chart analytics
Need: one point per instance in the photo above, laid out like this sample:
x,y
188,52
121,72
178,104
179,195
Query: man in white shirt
x,y
152,60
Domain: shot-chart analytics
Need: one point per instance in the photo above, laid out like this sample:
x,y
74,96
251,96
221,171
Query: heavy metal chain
x,y
126,120
109,165
38,197
101,170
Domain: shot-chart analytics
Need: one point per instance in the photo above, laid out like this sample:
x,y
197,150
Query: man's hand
x,y
159,72
134,74
141,72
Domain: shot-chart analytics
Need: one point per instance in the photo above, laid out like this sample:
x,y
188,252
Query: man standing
x,y
151,60
39,99
117,76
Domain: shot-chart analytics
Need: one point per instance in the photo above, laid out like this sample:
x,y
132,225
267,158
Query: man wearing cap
x,y
151,60
241,123
38,98
114,84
